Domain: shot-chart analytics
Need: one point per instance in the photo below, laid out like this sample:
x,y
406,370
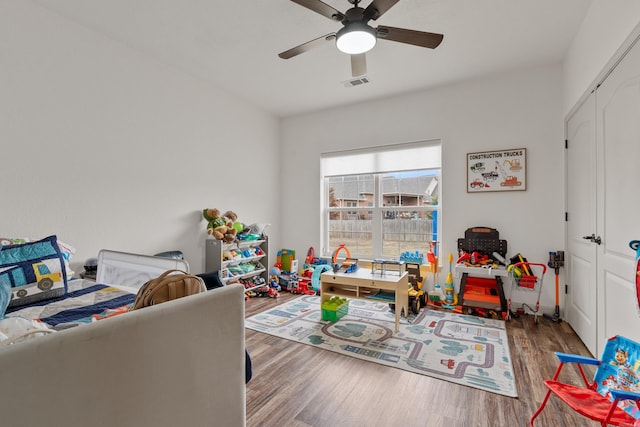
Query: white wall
x,y
108,148
112,149
518,109
604,31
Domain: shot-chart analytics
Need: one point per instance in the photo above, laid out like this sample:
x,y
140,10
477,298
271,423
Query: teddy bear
x,y
230,218
220,226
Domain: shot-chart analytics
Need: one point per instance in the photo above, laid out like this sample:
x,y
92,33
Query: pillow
x,y
5,295
35,271
66,250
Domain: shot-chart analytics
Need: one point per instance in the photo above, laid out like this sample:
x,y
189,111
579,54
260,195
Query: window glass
x,y
382,214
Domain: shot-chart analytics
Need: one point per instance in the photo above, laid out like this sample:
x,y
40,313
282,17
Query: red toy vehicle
x,y
477,183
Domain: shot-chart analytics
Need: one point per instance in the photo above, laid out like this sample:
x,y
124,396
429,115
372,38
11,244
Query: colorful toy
x,y
531,282
274,283
334,257
431,256
266,291
450,296
334,309
317,271
257,287
414,257
435,296
306,277
474,258
286,259
352,268
556,260
311,260
254,286
302,287
349,264
309,280
433,263
220,227
417,298
635,245
342,247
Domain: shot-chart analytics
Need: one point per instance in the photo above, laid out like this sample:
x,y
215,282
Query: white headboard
x,y
133,270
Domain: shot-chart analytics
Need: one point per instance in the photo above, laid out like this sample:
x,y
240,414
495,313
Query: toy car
x,y
417,298
477,167
477,183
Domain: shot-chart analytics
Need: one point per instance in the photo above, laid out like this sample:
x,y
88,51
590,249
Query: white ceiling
x,y
234,44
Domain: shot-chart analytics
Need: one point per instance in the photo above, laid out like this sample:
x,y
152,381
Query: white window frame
x,y
378,161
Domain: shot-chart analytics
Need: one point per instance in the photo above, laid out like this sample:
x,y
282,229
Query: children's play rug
x,y
463,349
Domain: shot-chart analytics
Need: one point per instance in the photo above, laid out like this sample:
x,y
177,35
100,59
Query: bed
x,y
178,363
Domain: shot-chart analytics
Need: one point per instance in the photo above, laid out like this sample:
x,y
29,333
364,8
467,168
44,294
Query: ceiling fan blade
x,y
417,38
304,47
321,8
377,8
358,65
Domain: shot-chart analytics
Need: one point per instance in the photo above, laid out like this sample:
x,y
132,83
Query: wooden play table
x,y
365,284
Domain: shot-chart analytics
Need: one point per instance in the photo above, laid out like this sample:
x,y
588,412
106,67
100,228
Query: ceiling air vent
x,y
356,82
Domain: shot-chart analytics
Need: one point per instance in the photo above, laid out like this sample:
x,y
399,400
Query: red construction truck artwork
x,y
507,180
510,181
500,170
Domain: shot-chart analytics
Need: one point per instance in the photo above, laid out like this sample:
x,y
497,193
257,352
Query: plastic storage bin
x,y
334,309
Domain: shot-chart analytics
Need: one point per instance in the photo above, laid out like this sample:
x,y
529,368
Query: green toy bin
x,y
333,310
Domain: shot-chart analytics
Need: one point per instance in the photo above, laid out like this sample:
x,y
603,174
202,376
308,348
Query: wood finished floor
x,y
298,385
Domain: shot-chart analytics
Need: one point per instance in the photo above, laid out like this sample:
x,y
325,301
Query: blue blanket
x,y
84,302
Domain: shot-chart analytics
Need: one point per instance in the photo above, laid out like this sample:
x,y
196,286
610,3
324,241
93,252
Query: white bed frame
x,y
131,271
181,363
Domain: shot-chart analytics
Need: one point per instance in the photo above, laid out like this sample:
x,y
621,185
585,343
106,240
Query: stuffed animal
x,y
220,227
230,218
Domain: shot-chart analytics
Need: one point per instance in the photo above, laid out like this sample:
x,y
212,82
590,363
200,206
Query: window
x,y
381,202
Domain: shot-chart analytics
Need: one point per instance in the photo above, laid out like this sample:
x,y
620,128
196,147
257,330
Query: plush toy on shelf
x,y
220,226
231,220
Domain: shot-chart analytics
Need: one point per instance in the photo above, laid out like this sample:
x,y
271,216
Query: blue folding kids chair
x,y
613,397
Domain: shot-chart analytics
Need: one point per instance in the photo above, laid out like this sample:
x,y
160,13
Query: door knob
x,y
593,239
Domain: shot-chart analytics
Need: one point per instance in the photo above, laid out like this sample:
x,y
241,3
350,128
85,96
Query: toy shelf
x,y
234,278
240,260
215,259
244,244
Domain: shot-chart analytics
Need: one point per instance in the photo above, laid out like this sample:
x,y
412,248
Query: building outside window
x,y
381,202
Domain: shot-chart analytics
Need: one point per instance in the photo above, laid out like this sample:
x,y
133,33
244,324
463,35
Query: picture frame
x,y
498,170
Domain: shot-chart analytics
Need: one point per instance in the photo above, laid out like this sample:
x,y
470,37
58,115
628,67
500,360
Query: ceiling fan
x,y
357,37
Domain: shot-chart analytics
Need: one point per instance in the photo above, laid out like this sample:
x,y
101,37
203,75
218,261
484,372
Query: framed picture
x,y
502,170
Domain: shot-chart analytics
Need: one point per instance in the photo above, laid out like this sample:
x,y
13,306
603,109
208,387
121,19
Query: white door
x,y
580,263
618,212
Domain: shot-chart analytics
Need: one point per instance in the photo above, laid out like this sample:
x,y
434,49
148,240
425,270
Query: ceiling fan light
x,y
356,38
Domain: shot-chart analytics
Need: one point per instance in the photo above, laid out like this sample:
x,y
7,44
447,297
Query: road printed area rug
x,y
462,349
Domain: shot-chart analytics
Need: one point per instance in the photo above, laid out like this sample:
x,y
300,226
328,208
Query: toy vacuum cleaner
x,y
556,260
450,297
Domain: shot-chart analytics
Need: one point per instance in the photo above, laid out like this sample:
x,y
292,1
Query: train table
x,y
367,284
